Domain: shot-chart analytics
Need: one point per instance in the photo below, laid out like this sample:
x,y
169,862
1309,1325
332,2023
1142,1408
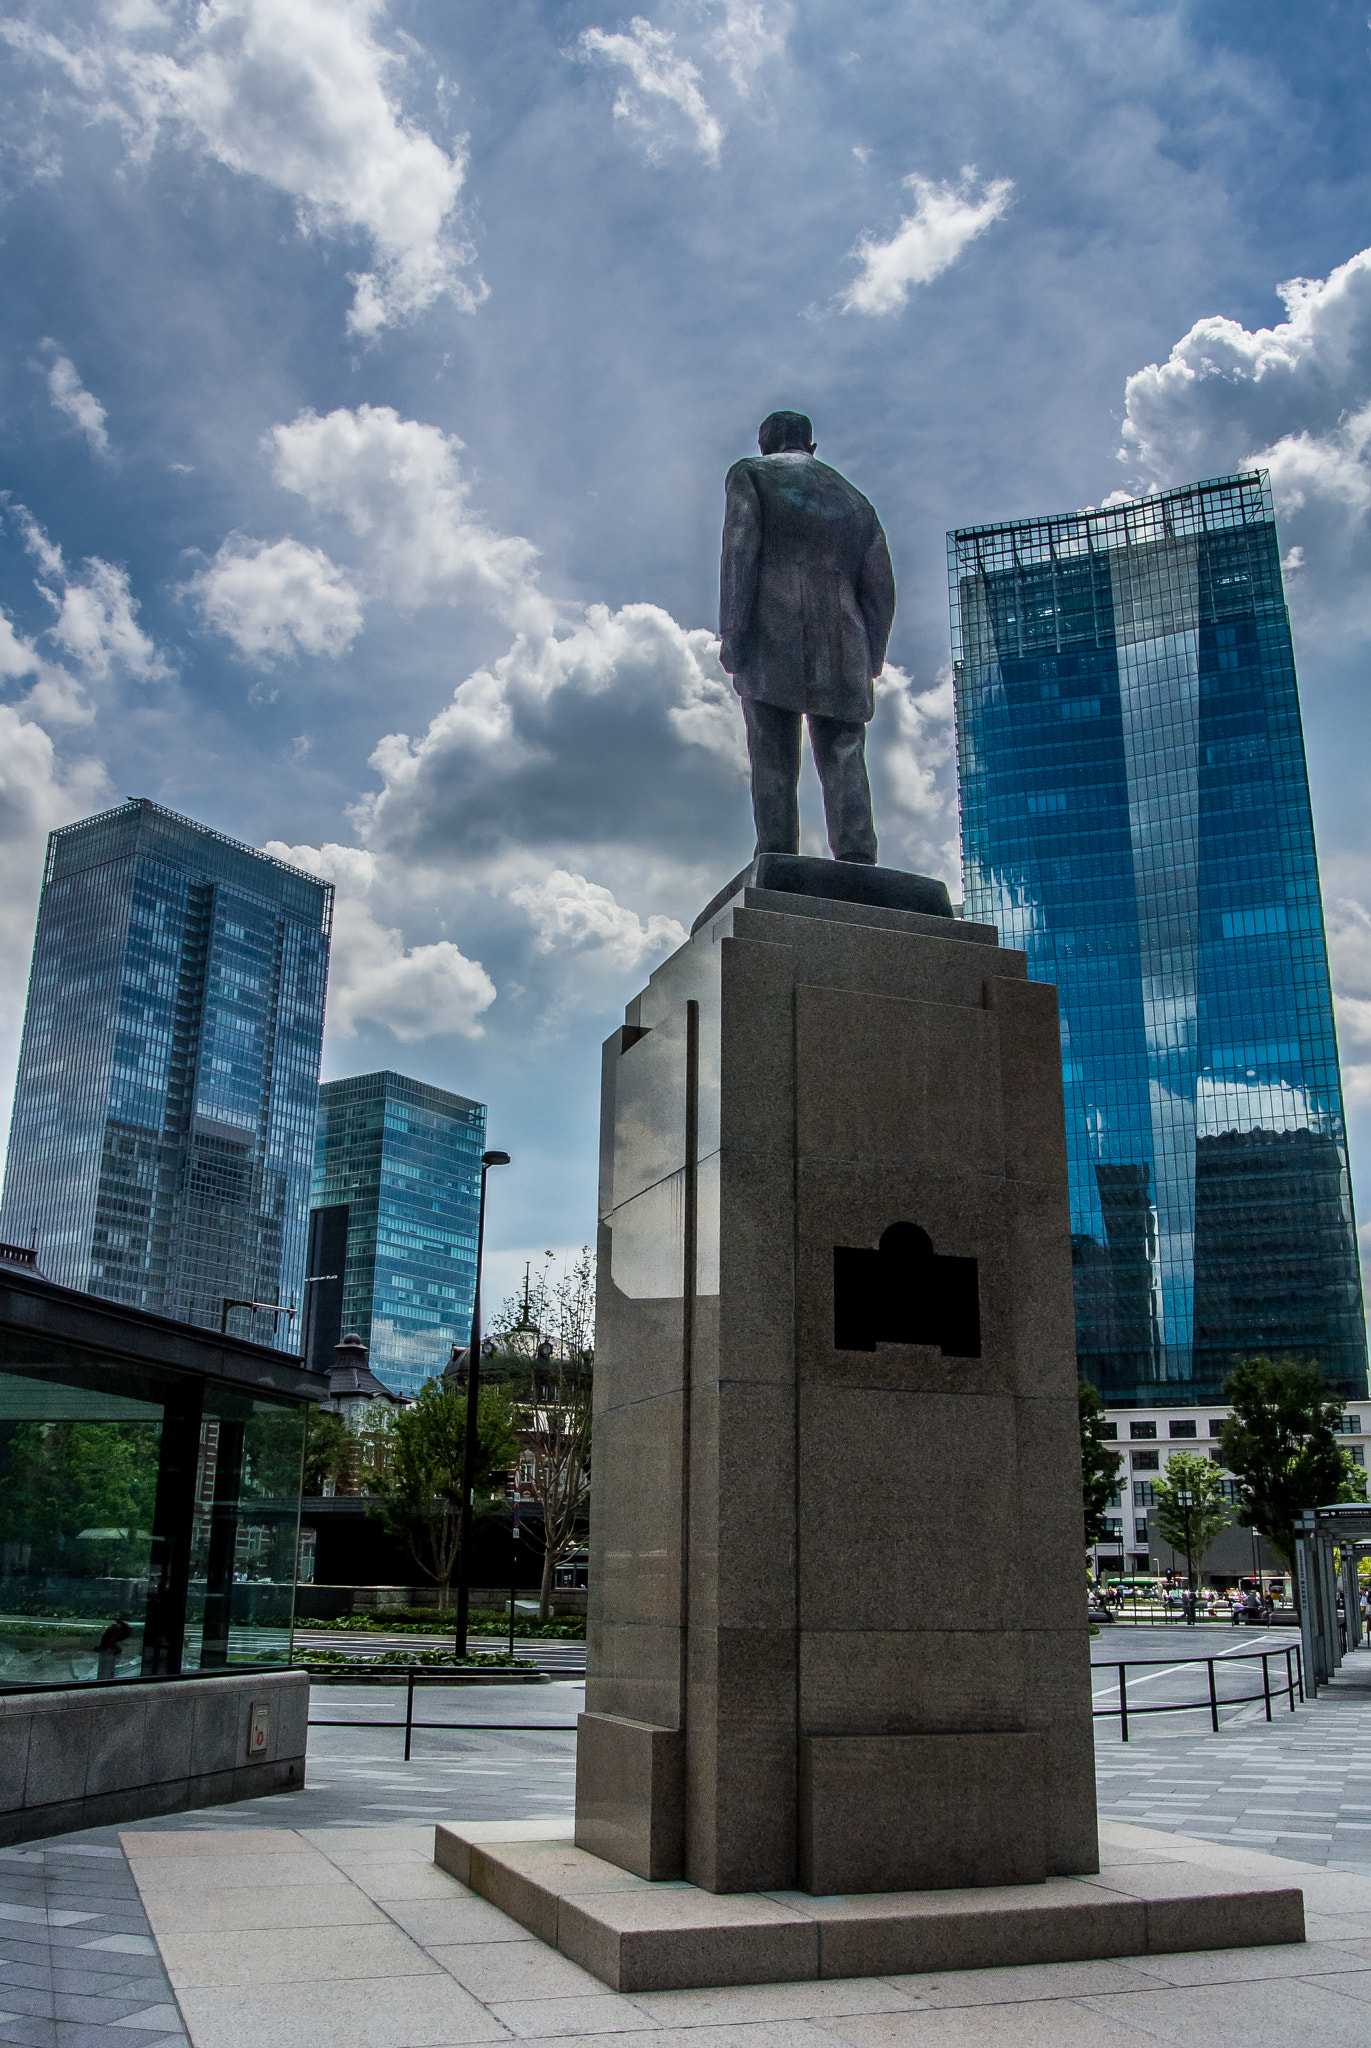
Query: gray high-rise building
x,y
163,1125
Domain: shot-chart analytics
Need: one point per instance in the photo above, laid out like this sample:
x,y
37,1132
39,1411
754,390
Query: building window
x,y
1143,1432
1144,1493
1347,1425
1183,1428
1140,1529
1357,1454
1110,1431
1216,1423
1146,1461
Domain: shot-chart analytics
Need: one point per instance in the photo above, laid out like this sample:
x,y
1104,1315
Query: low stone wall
x,y
101,1754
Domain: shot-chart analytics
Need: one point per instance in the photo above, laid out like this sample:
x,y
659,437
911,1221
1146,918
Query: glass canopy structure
x,y
149,1490
1135,817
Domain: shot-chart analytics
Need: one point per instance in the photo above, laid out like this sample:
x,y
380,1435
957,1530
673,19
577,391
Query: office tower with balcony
x,y
397,1183
1135,816
163,1123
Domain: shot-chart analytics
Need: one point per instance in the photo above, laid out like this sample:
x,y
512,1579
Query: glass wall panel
x,y
78,1481
1135,817
245,1533
143,1532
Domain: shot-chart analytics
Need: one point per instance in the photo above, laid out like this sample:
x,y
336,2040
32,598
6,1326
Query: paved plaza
x,y
316,1919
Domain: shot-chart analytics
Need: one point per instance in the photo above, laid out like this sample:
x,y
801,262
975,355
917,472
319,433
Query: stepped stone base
x,y
637,1934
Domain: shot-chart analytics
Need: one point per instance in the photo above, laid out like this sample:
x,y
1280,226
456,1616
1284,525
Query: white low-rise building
x,y
1146,1438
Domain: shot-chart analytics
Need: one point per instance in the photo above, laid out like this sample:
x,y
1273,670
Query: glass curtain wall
x,y
148,1519
164,1109
405,1159
1135,817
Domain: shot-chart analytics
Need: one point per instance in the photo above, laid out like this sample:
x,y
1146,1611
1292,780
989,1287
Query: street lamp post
x,y
270,1308
513,1563
488,1159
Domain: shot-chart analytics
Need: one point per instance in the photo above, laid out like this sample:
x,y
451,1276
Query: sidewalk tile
x,y
263,1956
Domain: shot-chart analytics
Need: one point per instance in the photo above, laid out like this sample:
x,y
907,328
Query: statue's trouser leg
x,y
773,745
840,756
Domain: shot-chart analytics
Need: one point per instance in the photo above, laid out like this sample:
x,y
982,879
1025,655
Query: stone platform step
x,y
640,1935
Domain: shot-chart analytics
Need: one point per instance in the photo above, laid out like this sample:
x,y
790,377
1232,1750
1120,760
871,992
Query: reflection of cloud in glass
x,y
1223,1105
426,1350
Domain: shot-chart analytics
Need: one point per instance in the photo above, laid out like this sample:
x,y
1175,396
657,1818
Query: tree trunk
x,y
545,1591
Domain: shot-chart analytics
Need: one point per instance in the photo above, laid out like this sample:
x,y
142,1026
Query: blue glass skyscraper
x,y
168,1075
397,1184
1135,816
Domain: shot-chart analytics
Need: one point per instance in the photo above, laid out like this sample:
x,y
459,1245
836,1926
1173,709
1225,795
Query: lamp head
x,y
495,1159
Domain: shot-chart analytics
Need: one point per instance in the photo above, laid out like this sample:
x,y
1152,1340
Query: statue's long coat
x,y
806,587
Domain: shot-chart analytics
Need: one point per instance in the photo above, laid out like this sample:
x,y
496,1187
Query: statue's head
x,y
785,433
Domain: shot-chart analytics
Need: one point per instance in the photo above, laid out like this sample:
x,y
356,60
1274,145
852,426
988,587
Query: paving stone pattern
x,y
78,1964
1300,1787
338,1938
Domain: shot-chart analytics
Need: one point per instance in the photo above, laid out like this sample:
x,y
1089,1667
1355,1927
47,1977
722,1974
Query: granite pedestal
x,y
837,1628
639,1936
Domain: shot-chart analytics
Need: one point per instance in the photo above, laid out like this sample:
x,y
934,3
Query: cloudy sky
x,y
368,376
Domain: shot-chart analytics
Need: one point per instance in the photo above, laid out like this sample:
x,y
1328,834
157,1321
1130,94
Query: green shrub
x,y
393,1660
568,1628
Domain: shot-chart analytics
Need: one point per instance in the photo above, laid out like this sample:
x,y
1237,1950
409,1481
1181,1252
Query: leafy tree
x,y
550,1329
1280,1446
352,1455
1190,1505
328,1443
419,1495
80,1495
1101,1464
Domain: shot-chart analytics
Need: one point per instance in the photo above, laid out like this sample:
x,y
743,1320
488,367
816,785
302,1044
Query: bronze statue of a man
x,y
807,596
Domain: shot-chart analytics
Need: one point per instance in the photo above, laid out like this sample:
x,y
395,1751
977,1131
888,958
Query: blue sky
x,y
369,373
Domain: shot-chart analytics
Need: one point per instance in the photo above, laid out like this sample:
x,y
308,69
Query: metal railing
x,y
420,1674
1291,1690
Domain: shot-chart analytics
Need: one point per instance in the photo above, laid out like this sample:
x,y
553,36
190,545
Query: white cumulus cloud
x,y
622,731
910,750
96,621
397,484
927,242
71,398
97,624
299,93
1348,924
570,913
39,791
274,600
664,94
1295,399
414,992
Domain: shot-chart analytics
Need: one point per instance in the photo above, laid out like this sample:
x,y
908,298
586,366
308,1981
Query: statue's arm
x,y
876,596
738,569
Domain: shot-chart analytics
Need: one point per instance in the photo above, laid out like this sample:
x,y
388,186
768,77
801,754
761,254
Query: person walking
x,y
111,1643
